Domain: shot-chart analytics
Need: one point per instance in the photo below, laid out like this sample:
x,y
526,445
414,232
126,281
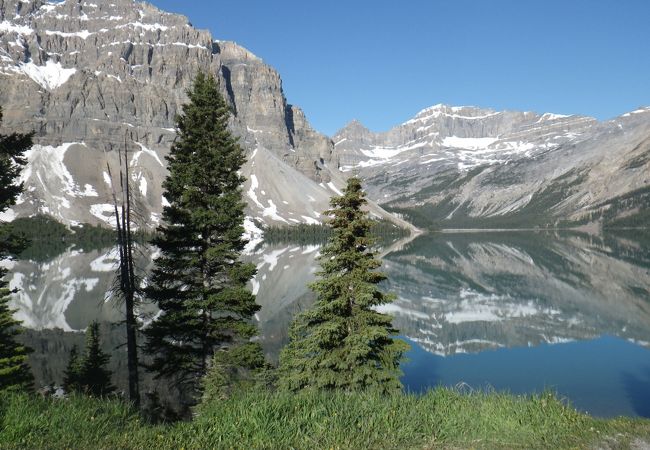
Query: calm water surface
x,y
515,311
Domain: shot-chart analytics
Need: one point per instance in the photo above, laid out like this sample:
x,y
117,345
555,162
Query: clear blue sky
x,y
381,61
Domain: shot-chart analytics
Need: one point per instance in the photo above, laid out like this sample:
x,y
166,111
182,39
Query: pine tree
x,y
14,371
342,342
198,281
90,372
73,372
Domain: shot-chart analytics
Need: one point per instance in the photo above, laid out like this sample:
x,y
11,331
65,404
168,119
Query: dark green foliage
x,y
88,373
342,342
304,234
49,238
12,149
73,372
199,282
631,210
241,368
88,237
643,158
14,372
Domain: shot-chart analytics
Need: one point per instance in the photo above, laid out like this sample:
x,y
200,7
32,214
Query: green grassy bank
x,y
440,419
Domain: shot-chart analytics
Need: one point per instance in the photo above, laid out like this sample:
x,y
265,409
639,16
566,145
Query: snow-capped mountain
x,y
467,166
92,77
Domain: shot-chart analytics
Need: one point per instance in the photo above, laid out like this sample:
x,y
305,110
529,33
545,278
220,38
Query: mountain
x,y
473,167
92,77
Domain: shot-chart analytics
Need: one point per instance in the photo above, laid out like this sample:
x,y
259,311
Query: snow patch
x,y
394,309
89,191
441,110
106,262
253,234
143,149
637,111
145,26
8,215
476,307
272,212
271,259
45,166
334,188
143,186
90,283
50,76
83,34
104,212
310,221
251,192
8,27
468,143
551,116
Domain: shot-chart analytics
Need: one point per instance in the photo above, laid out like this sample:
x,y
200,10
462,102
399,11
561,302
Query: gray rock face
x,y
465,166
91,77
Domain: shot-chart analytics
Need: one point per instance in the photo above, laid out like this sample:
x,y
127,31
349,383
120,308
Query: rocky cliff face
x,y
92,77
465,166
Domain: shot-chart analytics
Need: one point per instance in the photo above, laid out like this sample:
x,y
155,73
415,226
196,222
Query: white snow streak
x,y
50,76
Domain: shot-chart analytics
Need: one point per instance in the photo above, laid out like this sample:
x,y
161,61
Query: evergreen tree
x,y
198,281
73,372
342,342
14,371
89,374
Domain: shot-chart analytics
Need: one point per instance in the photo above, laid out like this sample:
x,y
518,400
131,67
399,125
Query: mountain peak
x,y
353,128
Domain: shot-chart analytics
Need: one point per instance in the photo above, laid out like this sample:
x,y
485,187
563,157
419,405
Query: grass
x,y
442,418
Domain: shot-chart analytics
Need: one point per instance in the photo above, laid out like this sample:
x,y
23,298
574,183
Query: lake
x,y
516,311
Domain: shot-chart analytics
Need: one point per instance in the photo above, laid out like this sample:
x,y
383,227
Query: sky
x,y
381,61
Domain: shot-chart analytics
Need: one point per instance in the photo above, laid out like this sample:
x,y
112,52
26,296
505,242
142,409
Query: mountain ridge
x,y
477,167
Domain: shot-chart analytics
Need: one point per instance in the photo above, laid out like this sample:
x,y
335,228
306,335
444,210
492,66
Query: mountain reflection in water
x,y
481,308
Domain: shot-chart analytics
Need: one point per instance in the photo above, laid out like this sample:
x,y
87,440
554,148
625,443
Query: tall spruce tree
x,y
14,371
198,281
342,342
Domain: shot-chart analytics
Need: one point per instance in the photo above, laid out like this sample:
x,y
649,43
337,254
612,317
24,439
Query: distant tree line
x,y
312,234
46,238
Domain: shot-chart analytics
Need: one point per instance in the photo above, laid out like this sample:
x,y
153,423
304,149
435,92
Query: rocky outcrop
x,y
92,77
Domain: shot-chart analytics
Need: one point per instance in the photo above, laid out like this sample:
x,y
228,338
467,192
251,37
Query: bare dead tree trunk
x,y
127,271
127,281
